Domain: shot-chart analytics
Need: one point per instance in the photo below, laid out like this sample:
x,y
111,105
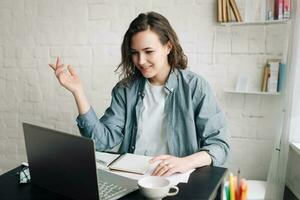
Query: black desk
x,y
204,183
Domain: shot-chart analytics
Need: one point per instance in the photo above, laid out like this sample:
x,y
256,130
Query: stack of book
x,y
270,10
273,76
282,9
228,11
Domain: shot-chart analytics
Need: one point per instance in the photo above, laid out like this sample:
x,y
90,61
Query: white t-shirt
x,y
151,136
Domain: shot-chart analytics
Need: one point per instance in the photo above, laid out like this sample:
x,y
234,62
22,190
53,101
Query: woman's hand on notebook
x,y
169,165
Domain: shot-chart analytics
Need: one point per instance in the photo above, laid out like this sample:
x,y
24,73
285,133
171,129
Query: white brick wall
x,y
88,34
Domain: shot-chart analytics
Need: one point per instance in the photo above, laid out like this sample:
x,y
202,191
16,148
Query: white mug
x,y
155,187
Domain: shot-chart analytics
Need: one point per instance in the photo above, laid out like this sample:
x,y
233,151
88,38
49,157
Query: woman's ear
x,y
169,47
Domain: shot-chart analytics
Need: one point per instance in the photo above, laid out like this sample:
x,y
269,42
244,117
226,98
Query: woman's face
x,y
150,56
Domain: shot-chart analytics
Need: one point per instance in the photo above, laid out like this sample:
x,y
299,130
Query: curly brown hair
x,y
161,26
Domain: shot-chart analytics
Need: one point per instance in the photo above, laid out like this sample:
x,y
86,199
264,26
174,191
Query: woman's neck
x,y
161,78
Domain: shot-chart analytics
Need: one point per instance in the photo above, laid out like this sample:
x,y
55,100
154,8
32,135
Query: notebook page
x,y
104,158
132,163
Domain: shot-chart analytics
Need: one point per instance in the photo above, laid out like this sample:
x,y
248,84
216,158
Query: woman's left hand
x,y
169,165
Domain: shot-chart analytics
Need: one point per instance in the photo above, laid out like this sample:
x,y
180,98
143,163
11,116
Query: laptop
x,y
65,164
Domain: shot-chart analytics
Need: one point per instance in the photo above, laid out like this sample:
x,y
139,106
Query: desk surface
x,y
204,183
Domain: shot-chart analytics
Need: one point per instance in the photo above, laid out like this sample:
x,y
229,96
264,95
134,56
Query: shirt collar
x,y
172,82
170,85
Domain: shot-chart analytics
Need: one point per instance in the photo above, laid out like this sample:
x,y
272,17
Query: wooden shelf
x,y
283,21
251,92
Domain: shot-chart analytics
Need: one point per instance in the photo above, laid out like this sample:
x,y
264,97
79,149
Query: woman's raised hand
x,y
68,78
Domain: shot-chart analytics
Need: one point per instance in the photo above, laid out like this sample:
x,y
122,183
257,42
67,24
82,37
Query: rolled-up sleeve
x,y
107,131
211,126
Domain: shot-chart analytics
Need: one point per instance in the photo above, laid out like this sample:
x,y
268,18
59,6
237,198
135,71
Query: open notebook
x,y
124,162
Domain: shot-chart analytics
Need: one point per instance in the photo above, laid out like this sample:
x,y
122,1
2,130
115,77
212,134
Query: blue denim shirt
x,y
195,121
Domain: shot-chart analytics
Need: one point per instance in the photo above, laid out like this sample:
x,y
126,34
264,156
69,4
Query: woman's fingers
x,y
165,170
162,167
160,170
169,172
168,165
58,62
66,76
59,70
52,66
161,157
71,70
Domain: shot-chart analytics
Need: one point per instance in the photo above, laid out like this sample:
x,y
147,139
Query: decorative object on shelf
x,y
273,77
242,83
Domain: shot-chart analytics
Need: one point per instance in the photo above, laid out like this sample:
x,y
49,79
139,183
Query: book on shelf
x,y
278,9
270,10
273,76
220,17
224,10
281,77
286,9
235,10
228,11
266,75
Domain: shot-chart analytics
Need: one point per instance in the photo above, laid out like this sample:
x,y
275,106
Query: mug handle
x,y
173,193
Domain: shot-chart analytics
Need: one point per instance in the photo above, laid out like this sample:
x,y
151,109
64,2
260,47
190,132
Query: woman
x,y
158,108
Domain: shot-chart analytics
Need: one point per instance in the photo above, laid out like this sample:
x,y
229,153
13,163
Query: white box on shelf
x,y
273,79
242,83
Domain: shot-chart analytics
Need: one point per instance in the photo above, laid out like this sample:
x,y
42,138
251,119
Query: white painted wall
x,y
88,34
295,61
293,173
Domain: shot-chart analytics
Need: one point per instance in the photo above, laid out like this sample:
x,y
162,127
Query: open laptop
x,y
65,164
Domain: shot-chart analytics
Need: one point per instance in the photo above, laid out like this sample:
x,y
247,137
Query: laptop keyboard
x,y
108,191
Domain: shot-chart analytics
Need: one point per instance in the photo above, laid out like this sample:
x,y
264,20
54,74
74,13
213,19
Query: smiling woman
x,y
158,108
